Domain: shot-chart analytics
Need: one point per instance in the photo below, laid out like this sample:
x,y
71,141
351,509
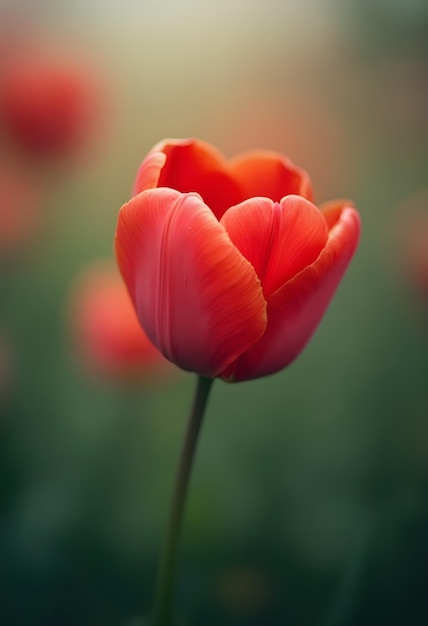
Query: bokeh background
x,y
308,503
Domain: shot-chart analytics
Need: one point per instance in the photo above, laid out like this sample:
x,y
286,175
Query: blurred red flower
x,y
229,264
21,206
104,327
411,240
49,103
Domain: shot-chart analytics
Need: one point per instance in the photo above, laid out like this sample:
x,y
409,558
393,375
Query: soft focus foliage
x,y
308,501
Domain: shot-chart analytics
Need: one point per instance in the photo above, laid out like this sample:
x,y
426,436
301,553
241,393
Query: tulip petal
x,y
265,173
332,210
190,165
198,299
296,309
149,172
279,239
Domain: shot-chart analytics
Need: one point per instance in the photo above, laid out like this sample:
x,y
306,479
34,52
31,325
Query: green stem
x,y
168,561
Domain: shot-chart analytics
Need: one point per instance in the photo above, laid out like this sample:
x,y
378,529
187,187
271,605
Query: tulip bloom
x,y
105,328
229,264
48,106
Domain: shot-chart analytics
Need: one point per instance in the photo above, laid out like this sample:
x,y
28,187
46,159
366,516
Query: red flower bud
x,y
229,264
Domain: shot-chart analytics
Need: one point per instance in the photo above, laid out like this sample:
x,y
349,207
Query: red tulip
x,y
48,105
229,264
105,327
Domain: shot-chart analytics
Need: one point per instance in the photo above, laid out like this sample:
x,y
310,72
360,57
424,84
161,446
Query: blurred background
x,y
308,503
